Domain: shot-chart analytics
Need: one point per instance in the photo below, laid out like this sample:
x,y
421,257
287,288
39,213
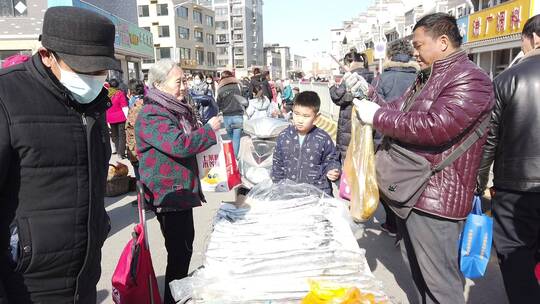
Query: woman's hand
x,y
215,122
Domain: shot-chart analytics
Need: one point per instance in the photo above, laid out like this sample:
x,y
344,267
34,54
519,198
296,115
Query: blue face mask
x,y
84,88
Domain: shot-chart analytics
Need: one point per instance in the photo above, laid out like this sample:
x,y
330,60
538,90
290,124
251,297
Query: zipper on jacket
x,y
88,232
300,157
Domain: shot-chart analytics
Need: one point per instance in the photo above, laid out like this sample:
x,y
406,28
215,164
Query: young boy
x,y
305,153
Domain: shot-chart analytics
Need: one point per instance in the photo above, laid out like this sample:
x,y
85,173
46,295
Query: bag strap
x,y
471,140
142,215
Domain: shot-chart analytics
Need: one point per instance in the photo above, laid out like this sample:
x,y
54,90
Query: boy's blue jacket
x,y
307,164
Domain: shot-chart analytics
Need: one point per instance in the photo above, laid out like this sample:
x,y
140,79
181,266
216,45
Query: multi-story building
x,y
239,34
22,22
278,60
183,31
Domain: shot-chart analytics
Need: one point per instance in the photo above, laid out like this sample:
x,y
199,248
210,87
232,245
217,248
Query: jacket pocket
x,y
24,253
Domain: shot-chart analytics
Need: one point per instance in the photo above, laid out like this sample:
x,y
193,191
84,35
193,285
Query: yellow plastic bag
x,y
322,292
360,170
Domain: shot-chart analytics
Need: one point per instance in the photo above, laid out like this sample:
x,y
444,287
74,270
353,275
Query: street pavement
x,y
383,257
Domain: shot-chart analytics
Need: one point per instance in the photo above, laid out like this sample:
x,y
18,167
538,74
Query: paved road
x,y
383,257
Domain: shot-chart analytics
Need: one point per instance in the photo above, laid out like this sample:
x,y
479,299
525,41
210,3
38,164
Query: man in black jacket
x,y
514,144
54,152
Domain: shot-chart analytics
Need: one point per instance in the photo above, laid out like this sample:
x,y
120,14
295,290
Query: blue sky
x,y
291,22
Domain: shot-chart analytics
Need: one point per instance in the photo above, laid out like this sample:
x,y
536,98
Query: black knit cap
x,y
82,38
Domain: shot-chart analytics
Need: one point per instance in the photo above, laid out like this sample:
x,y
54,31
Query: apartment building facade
x,y
183,31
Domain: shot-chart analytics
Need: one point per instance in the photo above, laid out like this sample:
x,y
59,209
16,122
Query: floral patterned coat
x,y
167,145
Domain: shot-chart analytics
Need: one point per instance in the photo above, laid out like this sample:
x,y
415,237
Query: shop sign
x,y
501,20
188,63
129,37
463,26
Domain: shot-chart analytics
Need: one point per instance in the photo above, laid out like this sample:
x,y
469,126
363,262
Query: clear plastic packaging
x,y
360,170
268,249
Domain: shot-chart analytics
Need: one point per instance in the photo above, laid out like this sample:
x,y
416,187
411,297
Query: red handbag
x,y
134,280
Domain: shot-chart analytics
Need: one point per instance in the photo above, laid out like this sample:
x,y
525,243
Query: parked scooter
x,y
256,150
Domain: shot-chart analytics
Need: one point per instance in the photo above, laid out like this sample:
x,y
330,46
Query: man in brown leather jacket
x,y
514,144
450,99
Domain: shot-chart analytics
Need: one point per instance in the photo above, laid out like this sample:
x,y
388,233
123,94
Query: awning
x,y
493,44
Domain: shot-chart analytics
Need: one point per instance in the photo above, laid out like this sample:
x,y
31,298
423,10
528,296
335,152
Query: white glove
x,y
356,84
366,110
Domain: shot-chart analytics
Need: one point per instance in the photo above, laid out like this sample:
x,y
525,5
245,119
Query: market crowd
x,y
61,108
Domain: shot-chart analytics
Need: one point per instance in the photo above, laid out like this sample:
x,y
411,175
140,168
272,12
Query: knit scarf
x,y
178,108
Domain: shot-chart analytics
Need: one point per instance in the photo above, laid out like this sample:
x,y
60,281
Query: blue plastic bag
x,y
475,244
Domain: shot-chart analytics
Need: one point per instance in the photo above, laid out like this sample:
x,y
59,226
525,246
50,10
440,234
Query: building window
x,y
198,36
183,33
211,58
222,25
239,51
223,38
220,1
237,11
143,11
210,39
222,11
205,2
162,10
238,37
210,21
222,62
182,12
164,53
199,56
239,63
222,50
197,17
238,23
185,53
163,31
146,28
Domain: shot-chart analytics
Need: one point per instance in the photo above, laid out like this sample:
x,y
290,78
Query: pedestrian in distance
x,y
342,97
513,147
54,154
117,116
211,84
261,106
231,103
168,138
305,153
260,78
399,74
136,100
14,60
449,102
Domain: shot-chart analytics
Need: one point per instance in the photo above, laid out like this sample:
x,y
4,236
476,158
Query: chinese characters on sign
x,y
515,20
501,21
477,25
504,19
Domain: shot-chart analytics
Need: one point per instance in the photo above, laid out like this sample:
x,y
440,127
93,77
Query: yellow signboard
x,y
501,20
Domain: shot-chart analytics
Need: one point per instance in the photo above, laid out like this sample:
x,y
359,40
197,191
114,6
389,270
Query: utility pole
x,y
380,34
231,43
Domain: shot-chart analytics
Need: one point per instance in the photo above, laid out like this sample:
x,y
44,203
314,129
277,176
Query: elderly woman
x,y
168,139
